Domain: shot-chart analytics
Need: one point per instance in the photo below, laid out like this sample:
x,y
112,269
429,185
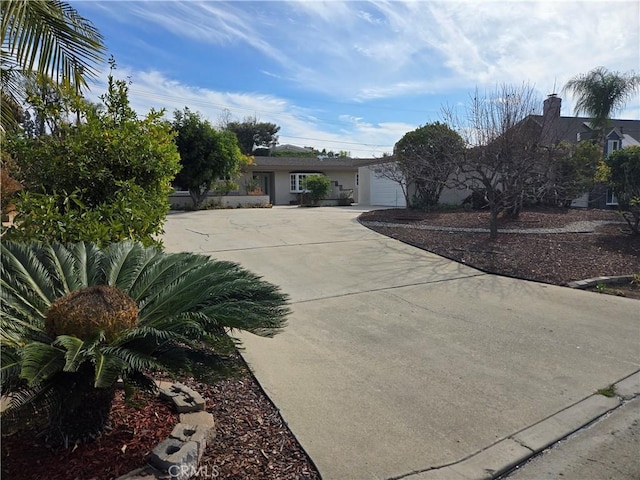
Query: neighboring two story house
x,y
619,134
554,128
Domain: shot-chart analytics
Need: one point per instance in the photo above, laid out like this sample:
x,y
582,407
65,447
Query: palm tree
x,y
76,318
601,93
47,37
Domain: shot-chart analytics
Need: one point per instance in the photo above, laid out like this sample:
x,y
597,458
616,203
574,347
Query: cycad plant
x,y
76,318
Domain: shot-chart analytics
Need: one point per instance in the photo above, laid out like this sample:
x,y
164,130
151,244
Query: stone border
x,y
178,456
593,282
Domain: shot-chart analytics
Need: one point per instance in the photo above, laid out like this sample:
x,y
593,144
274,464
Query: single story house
x,y
281,177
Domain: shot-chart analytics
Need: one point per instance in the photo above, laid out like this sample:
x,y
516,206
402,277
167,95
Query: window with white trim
x,y
612,146
296,180
611,197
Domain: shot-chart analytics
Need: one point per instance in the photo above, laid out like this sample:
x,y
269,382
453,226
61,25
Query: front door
x,y
264,180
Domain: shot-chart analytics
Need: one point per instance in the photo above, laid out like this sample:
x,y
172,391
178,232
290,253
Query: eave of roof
x,y
287,163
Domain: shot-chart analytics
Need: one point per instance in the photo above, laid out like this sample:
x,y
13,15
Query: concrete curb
x,y
178,456
592,282
587,226
503,456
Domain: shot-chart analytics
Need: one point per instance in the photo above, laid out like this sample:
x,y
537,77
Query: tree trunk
x,y
493,222
197,197
83,413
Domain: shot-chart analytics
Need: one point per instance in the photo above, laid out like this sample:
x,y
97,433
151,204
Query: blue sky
x,y
356,75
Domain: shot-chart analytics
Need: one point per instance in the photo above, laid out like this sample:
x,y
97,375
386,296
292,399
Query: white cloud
x,y
151,89
351,49
423,52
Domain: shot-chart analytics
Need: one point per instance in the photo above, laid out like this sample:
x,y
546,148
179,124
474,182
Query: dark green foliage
x,y
206,154
252,133
624,174
570,172
316,187
427,157
105,179
187,304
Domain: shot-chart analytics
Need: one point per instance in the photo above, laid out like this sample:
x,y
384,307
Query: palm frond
x,y
40,361
59,259
12,80
158,270
124,262
10,366
157,334
19,319
77,351
88,258
50,37
600,93
108,369
22,270
135,359
225,294
29,405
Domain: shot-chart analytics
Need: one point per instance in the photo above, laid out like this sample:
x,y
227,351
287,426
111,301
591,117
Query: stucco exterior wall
x,y
280,191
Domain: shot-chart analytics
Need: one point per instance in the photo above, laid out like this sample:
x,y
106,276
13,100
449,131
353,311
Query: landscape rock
x,y
175,457
184,398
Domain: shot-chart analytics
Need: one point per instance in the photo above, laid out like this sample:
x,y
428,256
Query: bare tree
x,y
505,158
390,170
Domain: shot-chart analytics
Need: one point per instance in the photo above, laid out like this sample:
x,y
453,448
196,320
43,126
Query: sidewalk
x,y
609,448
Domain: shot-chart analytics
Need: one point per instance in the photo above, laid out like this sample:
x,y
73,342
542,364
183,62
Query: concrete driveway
x,y
397,363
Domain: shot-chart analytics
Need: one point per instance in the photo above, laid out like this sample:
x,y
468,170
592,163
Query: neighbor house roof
x,y
570,127
287,147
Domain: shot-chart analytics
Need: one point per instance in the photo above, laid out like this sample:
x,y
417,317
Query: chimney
x,y
551,119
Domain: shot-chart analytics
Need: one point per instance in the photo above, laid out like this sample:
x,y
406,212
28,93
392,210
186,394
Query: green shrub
x,y
104,179
65,218
623,169
76,318
317,187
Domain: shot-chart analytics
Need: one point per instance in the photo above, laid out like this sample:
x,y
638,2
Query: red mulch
x,y
252,440
134,431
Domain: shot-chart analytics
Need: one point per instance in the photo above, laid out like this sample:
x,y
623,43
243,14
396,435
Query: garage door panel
x,y
385,192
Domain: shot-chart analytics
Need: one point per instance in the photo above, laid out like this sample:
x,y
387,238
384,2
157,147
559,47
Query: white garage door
x,y
385,192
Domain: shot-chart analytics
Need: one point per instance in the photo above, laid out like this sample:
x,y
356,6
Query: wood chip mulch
x,y
550,258
135,429
252,440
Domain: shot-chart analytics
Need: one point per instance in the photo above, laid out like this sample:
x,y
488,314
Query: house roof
x,y
570,127
310,164
287,147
